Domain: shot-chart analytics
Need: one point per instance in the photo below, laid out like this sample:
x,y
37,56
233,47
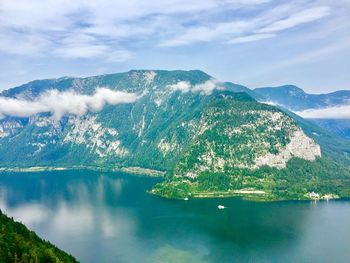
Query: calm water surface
x,y
108,217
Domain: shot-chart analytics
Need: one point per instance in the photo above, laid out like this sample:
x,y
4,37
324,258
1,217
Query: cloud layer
x,y
205,88
244,41
340,112
107,29
63,103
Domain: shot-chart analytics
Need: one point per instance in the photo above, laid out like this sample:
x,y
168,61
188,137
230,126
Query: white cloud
x,y
205,88
104,33
62,103
341,112
85,46
270,102
241,29
246,2
250,38
299,18
209,33
60,14
183,86
119,55
311,56
81,51
16,43
90,29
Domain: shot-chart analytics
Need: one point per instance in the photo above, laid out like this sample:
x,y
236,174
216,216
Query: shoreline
x,y
128,170
245,194
256,196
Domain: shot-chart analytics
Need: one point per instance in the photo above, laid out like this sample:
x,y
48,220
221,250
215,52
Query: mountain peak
x,y
290,89
295,99
132,80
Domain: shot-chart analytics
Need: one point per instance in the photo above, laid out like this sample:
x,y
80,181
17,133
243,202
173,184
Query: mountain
x,y
340,127
211,138
18,244
295,99
126,134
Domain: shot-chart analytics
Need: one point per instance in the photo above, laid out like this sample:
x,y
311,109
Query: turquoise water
x,y
109,217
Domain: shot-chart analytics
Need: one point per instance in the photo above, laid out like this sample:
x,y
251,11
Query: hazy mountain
x,y
340,127
295,99
210,137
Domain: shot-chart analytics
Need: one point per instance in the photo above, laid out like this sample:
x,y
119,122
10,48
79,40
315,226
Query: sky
x,y
253,42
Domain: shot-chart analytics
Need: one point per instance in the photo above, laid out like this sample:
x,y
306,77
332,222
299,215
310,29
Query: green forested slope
x,y
222,160
18,244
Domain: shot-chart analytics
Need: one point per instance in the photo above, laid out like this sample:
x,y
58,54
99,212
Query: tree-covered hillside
x,y
254,150
18,244
120,135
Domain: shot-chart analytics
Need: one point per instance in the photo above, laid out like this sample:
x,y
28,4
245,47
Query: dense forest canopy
x,y
18,244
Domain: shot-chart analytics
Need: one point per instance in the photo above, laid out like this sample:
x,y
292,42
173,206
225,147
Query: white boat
x,y
221,207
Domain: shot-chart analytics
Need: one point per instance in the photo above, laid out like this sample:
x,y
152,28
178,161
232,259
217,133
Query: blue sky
x,y
252,42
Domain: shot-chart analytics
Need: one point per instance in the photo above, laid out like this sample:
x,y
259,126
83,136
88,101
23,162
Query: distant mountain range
x,y
295,99
211,138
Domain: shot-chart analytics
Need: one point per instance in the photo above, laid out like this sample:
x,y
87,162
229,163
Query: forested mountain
x,y
210,137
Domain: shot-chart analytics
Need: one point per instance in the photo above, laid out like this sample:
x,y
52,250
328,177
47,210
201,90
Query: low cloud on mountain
x,y
339,112
62,103
205,88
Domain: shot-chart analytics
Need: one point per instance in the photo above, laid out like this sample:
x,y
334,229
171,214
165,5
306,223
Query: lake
x,y
109,217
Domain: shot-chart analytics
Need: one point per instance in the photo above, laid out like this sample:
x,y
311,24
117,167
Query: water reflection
x,y
109,218
169,253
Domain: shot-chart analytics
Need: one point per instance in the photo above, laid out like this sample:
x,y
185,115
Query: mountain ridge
x,y
295,99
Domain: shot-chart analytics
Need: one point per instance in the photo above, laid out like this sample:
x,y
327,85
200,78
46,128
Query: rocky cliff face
x,y
231,136
299,146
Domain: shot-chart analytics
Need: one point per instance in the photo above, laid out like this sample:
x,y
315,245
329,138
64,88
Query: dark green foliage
x,y
224,115
214,182
18,244
299,178
171,189
323,176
